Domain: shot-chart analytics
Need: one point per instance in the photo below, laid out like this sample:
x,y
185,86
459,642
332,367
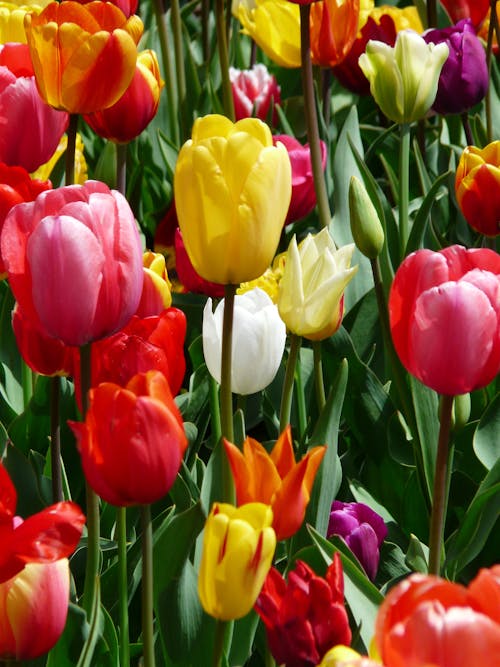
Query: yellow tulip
x,y
232,191
238,549
404,18
12,19
343,656
310,299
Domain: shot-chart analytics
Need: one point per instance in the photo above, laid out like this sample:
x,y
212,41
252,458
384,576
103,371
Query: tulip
x,y
477,187
425,620
84,56
34,606
156,294
303,192
255,93
269,281
232,191
74,261
366,228
274,25
132,441
333,29
305,616
362,529
186,273
24,144
44,537
258,341
12,19
476,10
275,479
343,656
136,108
404,78
445,317
310,298
464,78
81,169
238,549
128,7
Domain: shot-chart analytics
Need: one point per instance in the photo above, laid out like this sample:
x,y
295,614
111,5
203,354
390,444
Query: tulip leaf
x,y
67,650
426,406
486,442
96,626
420,222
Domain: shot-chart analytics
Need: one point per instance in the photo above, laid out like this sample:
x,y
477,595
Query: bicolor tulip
x,y
33,610
333,29
190,280
24,144
362,529
232,191
84,56
303,192
310,298
464,78
275,479
238,549
425,620
258,341
477,187
81,169
476,10
156,294
343,656
255,93
44,537
136,108
74,261
304,616
404,78
445,317
128,7
275,26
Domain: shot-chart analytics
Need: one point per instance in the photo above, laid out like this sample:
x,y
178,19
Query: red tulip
x,y
132,440
464,9
128,7
74,261
255,93
445,317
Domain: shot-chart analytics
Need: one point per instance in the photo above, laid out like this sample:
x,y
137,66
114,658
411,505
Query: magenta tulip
x,y
74,261
444,312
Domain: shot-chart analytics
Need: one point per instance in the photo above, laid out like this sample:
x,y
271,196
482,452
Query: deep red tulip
x,y
476,10
190,279
445,317
74,261
255,92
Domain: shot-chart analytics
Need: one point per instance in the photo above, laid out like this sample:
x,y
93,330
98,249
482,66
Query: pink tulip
x,y
74,261
31,130
444,312
255,92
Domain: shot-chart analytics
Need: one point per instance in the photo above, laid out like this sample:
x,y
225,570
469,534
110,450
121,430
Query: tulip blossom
x,y
238,549
343,656
363,531
81,169
476,10
258,341
232,191
136,108
477,187
333,29
44,537
132,441
310,299
255,92
303,192
404,78
74,261
12,15
445,317
156,294
31,144
305,616
191,281
128,7
275,479
33,610
425,620
84,56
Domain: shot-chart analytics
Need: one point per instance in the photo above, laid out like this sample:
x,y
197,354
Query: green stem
x,y
431,14
226,396
55,440
27,383
439,495
489,50
287,392
121,536
220,25
213,397
147,588
404,186
301,400
319,384
268,658
179,69
220,631
326,93
312,118
70,149
121,168
168,72
205,35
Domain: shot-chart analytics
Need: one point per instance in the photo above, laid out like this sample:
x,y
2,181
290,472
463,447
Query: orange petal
x,y
282,454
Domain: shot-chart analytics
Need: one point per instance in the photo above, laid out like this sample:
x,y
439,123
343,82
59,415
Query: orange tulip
x,y
333,29
275,479
84,56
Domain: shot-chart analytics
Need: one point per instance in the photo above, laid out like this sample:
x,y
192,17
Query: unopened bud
x,y
366,227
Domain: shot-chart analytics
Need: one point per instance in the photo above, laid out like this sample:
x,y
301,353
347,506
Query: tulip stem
x,y
147,588
404,186
55,439
205,35
439,499
431,14
226,396
227,93
312,118
301,400
121,536
121,168
179,69
71,148
27,383
287,393
213,396
318,376
220,632
489,50
168,71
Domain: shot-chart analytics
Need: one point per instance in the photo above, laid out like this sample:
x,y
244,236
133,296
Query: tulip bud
x,y
366,227
156,294
255,93
461,411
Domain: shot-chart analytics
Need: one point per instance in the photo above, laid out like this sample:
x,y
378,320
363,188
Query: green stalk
x,y
168,72
220,25
301,400
27,383
431,14
179,69
287,392
226,396
268,658
71,148
121,537
205,37
213,398
121,168
312,118
319,384
439,495
147,588
55,439
220,631
489,50
404,186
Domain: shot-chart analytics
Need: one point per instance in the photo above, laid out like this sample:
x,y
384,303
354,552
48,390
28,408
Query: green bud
x,y
366,228
461,411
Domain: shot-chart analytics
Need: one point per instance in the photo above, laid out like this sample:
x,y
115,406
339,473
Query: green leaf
x,y
96,626
486,442
76,631
426,405
421,219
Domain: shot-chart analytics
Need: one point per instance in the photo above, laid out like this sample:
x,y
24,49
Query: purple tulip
x,y
464,77
363,531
